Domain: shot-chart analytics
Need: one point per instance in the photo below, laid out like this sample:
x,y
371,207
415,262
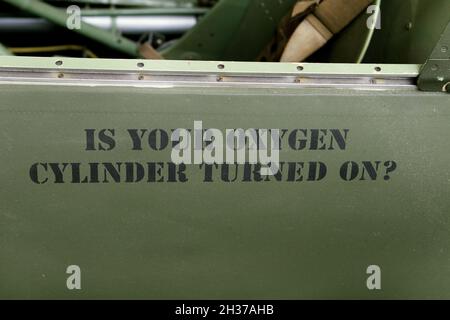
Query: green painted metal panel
x,y
232,30
241,239
240,30
179,67
409,30
435,73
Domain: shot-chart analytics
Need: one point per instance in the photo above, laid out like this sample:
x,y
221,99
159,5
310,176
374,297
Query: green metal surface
x,y
59,17
409,30
239,30
435,73
232,30
211,67
196,239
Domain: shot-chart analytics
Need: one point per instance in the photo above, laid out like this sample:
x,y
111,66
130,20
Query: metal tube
x,y
59,17
126,24
113,12
140,3
137,25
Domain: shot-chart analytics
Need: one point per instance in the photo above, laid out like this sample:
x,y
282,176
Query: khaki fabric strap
x,y
148,52
328,18
337,14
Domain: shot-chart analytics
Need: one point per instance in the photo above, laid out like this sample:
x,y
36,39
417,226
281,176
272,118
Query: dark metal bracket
x,y
435,73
